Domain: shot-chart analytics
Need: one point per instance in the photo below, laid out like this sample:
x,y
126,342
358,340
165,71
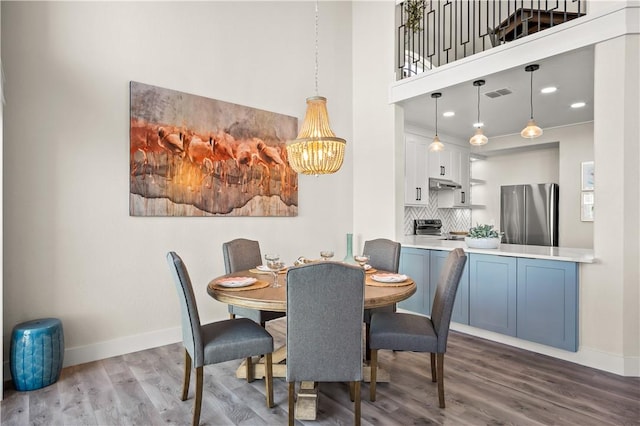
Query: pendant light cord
x,y
531,93
478,106
316,71
436,116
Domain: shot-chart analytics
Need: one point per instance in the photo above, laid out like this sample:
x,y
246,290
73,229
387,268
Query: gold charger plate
x,y
258,284
371,271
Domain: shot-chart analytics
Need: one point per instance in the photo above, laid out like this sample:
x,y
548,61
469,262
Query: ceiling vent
x,y
498,93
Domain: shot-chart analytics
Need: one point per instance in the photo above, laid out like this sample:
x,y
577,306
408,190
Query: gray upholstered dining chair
x,y
407,332
384,255
216,342
240,255
325,302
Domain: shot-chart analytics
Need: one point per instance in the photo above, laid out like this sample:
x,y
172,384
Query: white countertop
x,y
514,250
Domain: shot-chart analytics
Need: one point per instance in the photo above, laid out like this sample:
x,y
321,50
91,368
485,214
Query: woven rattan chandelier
x,y
316,150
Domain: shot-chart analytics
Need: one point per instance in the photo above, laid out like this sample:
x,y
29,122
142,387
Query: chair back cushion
x,y
384,254
240,255
191,332
325,302
446,294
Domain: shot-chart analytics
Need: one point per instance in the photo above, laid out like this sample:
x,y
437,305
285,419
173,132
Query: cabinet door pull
x,y
417,194
462,197
441,170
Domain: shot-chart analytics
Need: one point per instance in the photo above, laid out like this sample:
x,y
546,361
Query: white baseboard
x,y
589,357
632,366
109,348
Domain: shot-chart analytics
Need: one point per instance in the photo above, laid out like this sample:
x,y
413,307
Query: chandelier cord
x,y
316,70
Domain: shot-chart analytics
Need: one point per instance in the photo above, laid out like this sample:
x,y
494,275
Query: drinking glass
x,y
362,259
326,254
275,265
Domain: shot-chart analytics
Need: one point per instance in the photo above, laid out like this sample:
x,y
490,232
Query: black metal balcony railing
x,y
431,33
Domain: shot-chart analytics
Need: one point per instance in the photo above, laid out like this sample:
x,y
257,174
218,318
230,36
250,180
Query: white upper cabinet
x,y
440,164
416,182
460,168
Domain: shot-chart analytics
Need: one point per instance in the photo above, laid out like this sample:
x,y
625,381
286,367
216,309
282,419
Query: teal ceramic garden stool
x,y
37,351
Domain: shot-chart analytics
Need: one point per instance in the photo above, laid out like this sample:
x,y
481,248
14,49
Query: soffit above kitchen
x,y
507,113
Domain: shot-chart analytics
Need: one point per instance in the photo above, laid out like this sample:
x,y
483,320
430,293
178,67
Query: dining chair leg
x,y
434,377
367,348
357,404
292,388
187,375
268,379
198,404
441,380
374,374
249,364
352,389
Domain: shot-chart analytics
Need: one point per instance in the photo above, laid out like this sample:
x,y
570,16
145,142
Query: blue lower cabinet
x,y
548,302
492,293
461,305
532,299
415,263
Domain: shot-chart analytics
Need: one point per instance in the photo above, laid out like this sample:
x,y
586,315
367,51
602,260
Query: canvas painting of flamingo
x,y
196,156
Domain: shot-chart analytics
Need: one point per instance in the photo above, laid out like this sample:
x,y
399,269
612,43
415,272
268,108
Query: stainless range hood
x,y
443,184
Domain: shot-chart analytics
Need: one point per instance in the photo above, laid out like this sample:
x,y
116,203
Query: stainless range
x,y
430,227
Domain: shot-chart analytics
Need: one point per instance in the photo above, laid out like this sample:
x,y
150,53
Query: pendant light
x,y
479,138
436,145
532,130
316,150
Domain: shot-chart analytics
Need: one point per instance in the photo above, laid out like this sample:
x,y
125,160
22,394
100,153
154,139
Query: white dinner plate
x,y
262,269
236,281
389,278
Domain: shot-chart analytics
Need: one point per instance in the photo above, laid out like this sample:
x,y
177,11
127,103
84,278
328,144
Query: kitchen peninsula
x,y
522,291
565,254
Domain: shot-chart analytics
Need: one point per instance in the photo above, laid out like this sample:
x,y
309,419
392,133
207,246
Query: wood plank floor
x,y
486,383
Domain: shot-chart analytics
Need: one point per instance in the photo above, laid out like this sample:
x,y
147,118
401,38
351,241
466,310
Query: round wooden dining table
x,y
268,298
263,296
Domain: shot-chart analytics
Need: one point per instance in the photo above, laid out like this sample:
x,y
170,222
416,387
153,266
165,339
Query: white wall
x,y
74,252
374,192
560,165
610,288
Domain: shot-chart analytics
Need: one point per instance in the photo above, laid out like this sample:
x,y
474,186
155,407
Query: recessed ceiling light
x,y
448,114
578,105
476,125
549,89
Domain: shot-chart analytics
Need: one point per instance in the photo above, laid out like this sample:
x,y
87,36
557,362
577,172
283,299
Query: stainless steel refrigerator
x,y
529,214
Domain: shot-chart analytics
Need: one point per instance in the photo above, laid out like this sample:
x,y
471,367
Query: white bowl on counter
x,y
482,243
